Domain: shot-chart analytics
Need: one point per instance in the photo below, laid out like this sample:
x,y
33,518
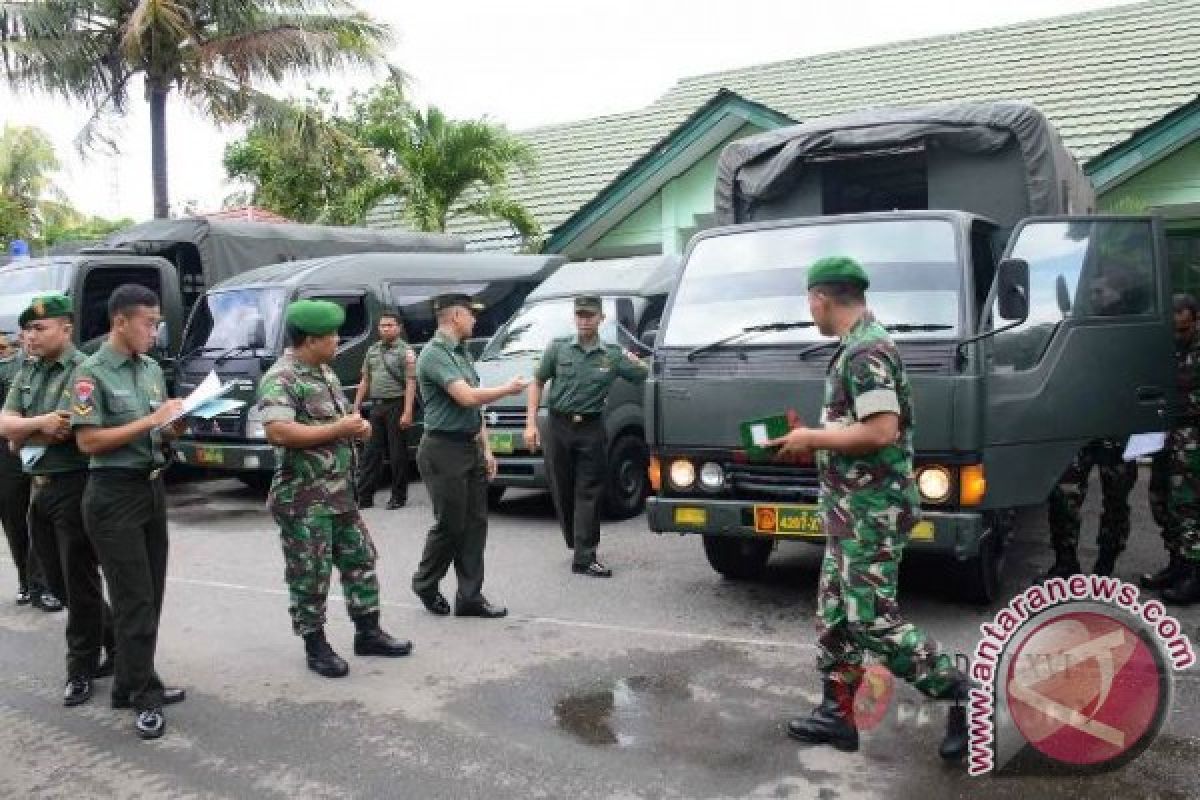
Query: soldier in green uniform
x,y
305,413
869,505
581,370
14,502
456,461
1182,531
389,381
120,413
36,416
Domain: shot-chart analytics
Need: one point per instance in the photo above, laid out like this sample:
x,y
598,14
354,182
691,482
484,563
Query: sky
x,y
523,63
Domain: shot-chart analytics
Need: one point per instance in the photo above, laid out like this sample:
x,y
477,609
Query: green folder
x,y
756,431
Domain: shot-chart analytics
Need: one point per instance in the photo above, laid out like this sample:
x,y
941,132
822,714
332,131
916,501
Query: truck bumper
x,y
226,456
956,534
521,472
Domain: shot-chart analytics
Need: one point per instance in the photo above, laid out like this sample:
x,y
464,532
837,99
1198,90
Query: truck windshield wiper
x,y
235,349
908,327
749,330
511,354
816,347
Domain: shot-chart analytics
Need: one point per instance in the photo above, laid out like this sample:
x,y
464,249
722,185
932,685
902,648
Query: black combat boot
x,y
321,658
1066,564
1166,576
832,722
1106,561
955,741
370,639
1186,589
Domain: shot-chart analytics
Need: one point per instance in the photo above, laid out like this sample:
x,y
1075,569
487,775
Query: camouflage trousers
x,y
857,612
1065,504
313,543
1181,535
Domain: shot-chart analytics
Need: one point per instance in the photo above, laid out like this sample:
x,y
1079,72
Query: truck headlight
x,y
254,424
934,483
683,474
712,476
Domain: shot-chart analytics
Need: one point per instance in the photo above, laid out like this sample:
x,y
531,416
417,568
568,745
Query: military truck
x,y
178,259
238,330
633,292
1028,325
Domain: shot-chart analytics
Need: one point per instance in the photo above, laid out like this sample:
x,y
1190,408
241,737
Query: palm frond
x,y
498,205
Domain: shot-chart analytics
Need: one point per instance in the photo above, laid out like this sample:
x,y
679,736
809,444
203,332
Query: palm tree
x,y
214,53
440,167
27,194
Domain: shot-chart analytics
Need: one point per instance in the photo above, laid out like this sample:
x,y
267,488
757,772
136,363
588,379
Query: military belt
x,y
574,418
45,479
454,436
129,473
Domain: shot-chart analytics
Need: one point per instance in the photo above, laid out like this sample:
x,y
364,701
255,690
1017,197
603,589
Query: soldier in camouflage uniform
x,y
869,505
1181,534
1065,504
306,416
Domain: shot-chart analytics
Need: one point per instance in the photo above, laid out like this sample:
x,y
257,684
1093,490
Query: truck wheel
x,y
495,495
627,483
979,577
258,481
737,558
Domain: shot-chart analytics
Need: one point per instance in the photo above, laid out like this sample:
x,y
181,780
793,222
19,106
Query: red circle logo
x,y
873,697
1085,688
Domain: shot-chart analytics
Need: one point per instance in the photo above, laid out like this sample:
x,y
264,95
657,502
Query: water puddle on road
x,y
620,714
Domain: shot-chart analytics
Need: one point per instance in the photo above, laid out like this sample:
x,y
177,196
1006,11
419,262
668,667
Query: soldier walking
x,y
390,383
456,461
304,412
581,370
120,413
1065,508
1180,579
14,503
37,414
869,505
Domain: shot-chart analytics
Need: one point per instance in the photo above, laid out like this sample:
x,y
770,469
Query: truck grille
x,y
773,482
221,427
505,417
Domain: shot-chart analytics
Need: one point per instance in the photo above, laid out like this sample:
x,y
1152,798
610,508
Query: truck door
x,y
355,335
1094,358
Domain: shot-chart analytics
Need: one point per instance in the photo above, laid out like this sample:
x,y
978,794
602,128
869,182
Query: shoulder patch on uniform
x,y
84,389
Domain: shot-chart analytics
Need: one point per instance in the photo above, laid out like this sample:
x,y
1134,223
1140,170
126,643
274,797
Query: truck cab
x,y
1024,337
633,292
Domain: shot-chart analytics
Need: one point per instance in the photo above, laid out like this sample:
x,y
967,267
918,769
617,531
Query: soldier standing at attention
x,y
120,413
312,496
389,380
37,413
456,461
868,505
1065,504
581,370
1183,446
14,503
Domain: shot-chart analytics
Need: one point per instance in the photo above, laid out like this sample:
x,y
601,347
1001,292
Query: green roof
x,y
1099,77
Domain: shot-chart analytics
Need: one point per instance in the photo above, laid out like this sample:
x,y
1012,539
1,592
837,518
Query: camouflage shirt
x,y
866,377
1187,380
292,391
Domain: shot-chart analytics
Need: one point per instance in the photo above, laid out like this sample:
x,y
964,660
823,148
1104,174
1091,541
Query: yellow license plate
x,y
501,443
210,455
922,531
787,520
696,517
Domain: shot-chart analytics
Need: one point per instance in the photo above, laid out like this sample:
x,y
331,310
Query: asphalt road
x,y
665,681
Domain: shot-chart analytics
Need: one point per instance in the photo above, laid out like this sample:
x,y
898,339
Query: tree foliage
x,y
27,192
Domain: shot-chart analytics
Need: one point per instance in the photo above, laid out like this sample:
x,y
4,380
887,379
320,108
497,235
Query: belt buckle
x,y
577,418
41,480
154,473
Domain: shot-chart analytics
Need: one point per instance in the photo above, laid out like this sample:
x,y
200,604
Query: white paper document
x,y
31,453
1143,444
209,390
758,435
220,405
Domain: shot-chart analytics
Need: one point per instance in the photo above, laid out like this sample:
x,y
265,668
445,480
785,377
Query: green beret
x,y
589,303
315,317
837,269
45,306
444,301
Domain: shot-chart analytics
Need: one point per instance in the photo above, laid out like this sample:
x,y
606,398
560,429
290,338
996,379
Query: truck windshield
x,y
227,319
19,285
533,326
757,278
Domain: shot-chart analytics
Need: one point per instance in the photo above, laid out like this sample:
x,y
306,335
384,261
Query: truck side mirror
x,y
162,337
258,335
1012,289
1062,294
